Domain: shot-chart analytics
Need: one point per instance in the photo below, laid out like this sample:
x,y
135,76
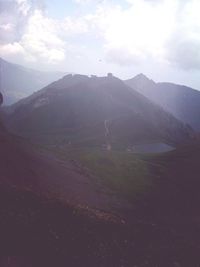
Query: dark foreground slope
x,y
53,214
177,188
57,212
182,101
25,168
94,111
162,229
18,82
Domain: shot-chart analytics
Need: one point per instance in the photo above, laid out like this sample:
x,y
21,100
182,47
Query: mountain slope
x,y
94,111
161,230
17,82
182,101
26,168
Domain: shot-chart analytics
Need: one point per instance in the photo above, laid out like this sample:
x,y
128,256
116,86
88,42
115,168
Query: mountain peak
x,y
1,59
4,62
140,82
142,77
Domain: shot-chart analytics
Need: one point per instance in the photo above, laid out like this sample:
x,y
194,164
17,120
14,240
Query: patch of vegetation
x,y
126,173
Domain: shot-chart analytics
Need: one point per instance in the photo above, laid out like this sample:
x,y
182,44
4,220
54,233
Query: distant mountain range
x,y
84,110
181,101
17,82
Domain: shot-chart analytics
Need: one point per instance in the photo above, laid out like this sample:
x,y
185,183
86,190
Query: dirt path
x,y
107,135
106,128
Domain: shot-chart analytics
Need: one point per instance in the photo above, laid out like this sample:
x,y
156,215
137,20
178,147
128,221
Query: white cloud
x,y
14,15
14,48
140,31
82,1
86,2
74,26
23,7
7,27
183,48
163,31
166,31
41,39
28,31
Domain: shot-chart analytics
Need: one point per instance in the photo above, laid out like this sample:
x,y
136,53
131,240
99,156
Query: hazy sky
x,y
160,38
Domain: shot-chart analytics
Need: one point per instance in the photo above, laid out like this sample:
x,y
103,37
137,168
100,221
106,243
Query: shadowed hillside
x,y
181,101
94,111
17,82
39,229
69,207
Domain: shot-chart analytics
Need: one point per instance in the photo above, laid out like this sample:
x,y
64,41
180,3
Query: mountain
x,y
98,111
182,101
27,168
40,227
167,214
46,202
17,82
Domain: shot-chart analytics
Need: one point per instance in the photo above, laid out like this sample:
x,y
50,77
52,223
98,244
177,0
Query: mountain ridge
x,y
180,100
17,81
80,105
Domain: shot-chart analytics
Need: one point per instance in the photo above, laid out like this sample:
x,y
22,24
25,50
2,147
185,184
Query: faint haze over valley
x,y
157,37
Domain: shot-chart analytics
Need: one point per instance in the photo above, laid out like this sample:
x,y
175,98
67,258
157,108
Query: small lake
x,y
152,148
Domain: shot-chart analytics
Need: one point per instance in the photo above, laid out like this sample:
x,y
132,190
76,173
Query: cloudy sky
x,y
160,38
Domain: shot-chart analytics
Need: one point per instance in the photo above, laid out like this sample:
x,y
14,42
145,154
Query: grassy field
x,y
128,174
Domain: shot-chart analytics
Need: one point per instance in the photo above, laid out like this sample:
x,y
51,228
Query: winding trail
x,y
107,133
106,128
